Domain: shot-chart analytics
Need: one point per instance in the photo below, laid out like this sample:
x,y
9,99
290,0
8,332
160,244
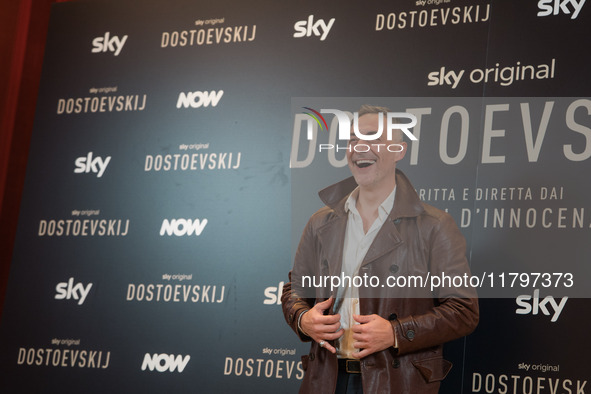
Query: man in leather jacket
x,y
379,338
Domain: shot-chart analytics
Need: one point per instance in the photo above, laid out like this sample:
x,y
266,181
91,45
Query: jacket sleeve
x,y
455,312
292,302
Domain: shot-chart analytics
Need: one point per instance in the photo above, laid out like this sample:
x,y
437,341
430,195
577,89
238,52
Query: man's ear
x,y
402,153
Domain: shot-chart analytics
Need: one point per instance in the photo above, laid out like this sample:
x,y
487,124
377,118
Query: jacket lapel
x,y
332,238
387,239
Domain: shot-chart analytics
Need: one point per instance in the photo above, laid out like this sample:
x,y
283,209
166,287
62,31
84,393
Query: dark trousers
x,y
349,383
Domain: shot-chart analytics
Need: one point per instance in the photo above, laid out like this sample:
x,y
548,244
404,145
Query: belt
x,y
349,366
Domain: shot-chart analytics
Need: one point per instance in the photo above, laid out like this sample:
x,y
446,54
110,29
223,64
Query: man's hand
x,y
322,327
371,335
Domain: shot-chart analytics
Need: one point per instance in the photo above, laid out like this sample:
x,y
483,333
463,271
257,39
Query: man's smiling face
x,y
374,167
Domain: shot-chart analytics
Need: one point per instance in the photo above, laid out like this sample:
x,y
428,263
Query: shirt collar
x,y
384,209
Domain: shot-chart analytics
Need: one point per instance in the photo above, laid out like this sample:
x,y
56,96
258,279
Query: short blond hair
x,y
366,109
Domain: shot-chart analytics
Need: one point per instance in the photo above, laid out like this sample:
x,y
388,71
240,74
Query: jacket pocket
x,y
305,362
433,369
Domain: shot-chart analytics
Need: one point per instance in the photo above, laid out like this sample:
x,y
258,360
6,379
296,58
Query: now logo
x,y
181,227
199,99
165,362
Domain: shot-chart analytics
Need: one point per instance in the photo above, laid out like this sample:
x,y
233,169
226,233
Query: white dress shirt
x,y
356,245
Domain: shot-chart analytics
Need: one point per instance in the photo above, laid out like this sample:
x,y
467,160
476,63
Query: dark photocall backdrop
x,y
160,209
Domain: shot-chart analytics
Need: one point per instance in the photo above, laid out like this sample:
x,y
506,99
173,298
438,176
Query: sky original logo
x,y
199,99
555,7
528,304
181,227
165,362
504,76
108,44
68,290
87,164
309,27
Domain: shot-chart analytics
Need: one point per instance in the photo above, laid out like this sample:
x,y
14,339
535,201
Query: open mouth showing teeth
x,y
364,163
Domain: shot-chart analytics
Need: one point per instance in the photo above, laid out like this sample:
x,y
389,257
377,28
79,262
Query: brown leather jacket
x,y
416,239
